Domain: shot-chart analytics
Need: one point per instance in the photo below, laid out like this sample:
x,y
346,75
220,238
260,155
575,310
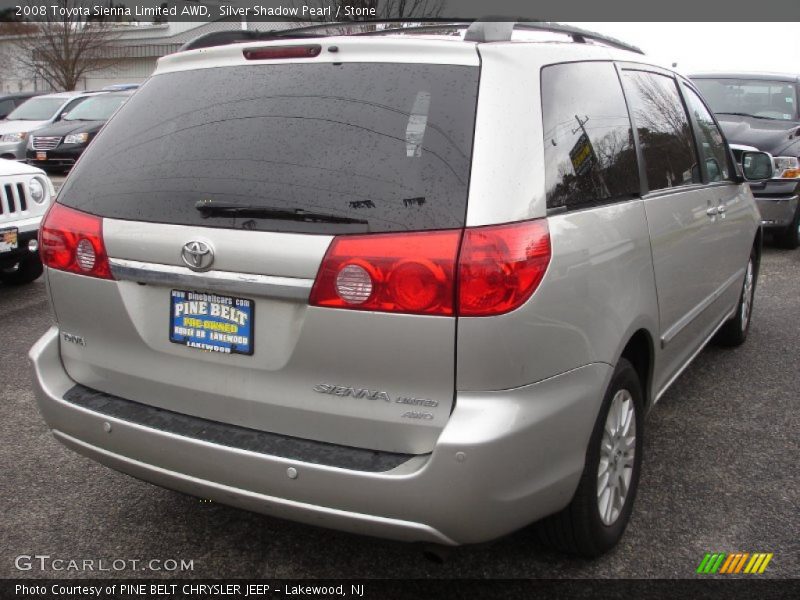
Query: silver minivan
x,y
418,287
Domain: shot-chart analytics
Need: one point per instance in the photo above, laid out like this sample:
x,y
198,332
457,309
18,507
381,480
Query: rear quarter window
x,y
589,153
386,145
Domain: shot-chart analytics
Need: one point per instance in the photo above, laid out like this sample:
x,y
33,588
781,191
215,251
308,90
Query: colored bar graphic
x,y
703,563
741,562
733,563
753,560
718,563
728,562
766,562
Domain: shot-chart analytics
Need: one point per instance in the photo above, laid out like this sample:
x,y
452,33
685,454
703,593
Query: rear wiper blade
x,y
209,208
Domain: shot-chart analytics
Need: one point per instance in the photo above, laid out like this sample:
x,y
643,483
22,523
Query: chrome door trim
x,y
675,329
288,288
694,354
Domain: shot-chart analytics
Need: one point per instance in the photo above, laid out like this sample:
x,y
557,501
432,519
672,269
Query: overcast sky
x,y
713,46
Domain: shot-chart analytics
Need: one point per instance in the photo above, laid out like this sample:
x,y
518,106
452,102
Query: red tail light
x,y
498,269
72,241
403,273
501,266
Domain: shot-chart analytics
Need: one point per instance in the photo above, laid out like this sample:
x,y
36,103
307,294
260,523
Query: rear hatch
x,y
220,192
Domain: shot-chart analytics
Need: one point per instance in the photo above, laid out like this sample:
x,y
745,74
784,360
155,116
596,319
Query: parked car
x,y
25,195
58,146
760,111
34,114
120,87
473,274
9,102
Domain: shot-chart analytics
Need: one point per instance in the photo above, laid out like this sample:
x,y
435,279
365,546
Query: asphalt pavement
x,y
720,474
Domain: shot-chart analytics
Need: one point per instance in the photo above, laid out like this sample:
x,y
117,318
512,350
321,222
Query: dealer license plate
x,y
211,322
9,239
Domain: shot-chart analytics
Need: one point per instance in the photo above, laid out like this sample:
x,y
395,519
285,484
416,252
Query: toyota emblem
x,y
198,256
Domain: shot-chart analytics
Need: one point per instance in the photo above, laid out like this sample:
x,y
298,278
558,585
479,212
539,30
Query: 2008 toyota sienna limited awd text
x,y
423,288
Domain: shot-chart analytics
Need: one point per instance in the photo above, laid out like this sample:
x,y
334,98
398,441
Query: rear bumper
x,y
505,459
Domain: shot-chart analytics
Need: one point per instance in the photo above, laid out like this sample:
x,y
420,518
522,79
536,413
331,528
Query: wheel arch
x,y
639,350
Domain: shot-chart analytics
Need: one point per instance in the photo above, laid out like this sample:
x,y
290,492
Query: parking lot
x,y
720,474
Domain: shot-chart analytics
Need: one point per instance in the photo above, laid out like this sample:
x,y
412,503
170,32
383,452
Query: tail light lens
x,y
401,273
499,267
70,240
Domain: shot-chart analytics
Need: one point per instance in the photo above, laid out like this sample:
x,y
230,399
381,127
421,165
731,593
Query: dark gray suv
x,y
760,111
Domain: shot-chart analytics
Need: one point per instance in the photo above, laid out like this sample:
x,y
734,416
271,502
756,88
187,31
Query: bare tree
x,y
401,9
415,10
63,49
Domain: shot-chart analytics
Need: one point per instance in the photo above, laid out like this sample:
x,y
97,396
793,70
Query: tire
x,y
29,268
581,528
790,237
734,332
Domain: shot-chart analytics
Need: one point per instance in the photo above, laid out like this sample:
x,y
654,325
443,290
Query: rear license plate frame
x,y
198,334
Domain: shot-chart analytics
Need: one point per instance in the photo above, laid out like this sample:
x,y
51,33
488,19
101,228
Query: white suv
x,y
25,194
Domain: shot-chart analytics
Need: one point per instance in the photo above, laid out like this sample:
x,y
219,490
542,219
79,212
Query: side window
x,y
6,106
71,105
665,134
588,142
710,140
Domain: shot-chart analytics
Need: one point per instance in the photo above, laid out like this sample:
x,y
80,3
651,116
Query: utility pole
x,y
582,127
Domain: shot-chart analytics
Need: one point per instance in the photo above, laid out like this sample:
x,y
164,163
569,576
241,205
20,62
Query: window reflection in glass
x,y
588,144
711,142
663,128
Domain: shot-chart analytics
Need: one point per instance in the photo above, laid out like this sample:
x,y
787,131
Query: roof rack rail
x,y
489,29
484,30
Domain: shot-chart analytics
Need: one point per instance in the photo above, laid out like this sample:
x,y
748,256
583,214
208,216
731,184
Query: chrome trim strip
x,y
670,333
694,354
288,288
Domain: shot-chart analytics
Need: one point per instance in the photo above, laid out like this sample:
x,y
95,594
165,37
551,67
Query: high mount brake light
x,y
278,52
70,240
499,267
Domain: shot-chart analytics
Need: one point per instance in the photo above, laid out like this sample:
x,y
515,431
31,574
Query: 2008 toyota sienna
x,y
420,287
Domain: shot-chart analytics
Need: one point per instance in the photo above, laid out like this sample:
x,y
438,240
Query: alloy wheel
x,y
747,296
617,451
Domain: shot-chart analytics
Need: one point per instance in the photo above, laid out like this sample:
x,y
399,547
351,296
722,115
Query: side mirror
x,y
757,166
63,114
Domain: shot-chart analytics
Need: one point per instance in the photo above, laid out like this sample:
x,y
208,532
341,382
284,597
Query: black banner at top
x,y
312,11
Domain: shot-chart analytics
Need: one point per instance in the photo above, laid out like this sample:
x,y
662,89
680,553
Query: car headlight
x,y
14,137
76,138
37,191
786,167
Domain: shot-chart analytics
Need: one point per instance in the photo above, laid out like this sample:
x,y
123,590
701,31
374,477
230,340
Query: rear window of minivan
x,y
307,148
